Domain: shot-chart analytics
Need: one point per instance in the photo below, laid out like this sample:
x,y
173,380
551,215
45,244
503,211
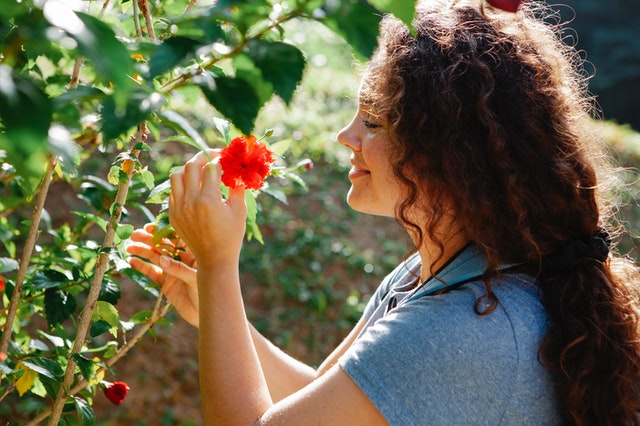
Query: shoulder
x,y
471,365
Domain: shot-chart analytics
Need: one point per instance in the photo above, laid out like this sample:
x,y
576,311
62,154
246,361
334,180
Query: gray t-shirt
x,y
431,360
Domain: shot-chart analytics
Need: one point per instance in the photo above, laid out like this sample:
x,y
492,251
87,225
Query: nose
x,y
348,136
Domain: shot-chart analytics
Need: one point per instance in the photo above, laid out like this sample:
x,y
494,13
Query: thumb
x,y
177,269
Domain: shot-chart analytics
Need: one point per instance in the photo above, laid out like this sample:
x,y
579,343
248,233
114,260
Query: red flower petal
x,y
245,163
116,392
506,5
1,285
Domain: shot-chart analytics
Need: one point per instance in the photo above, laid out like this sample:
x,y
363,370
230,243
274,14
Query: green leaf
x,y
117,176
141,317
57,341
140,104
109,292
124,231
242,13
49,278
105,311
87,416
97,42
87,367
25,113
147,178
159,193
252,214
235,98
222,126
402,9
92,218
282,65
45,367
99,327
246,70
179,123
8,265
171,53
357,21
58,305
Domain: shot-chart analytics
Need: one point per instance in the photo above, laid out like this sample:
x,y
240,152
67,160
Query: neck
x,y
432,256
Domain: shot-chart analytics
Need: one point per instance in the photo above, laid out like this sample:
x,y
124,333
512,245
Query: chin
x,y
368,206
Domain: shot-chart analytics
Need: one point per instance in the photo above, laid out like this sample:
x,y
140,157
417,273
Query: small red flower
x,y
506,5
306,164
116,392
245,163
1,284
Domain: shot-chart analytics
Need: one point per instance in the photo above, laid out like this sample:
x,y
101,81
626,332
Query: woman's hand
x,y
177,277
212,227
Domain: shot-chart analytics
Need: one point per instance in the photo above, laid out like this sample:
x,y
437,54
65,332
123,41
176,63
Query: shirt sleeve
x,y
434,361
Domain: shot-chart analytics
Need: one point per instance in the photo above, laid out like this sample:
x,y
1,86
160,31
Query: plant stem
x,y
144,8
183,79
159,311
84,322
26,255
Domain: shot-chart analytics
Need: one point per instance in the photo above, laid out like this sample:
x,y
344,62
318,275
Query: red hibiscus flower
x,y
506,5
116,391
245,163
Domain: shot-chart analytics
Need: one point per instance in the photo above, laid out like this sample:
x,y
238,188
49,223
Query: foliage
x,y
89,92
607,33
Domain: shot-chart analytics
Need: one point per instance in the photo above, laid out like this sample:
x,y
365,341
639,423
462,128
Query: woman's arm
x,y
233,382
284,374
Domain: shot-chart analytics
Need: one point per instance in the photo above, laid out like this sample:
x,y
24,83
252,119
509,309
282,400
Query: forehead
x,y
366,96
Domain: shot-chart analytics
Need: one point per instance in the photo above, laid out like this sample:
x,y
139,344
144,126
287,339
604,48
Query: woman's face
x,y
374,188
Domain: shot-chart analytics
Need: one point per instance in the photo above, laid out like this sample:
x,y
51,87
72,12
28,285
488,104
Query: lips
x,y
357,170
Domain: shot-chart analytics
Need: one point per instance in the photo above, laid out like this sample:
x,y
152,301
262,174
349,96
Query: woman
x,y
473,134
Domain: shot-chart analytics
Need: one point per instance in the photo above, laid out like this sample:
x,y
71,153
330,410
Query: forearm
x,y
283,373
234,390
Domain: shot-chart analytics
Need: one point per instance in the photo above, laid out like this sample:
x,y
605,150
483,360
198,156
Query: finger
x,y
211,178
237,202
201,158
177,187
142,236
178,270
154,273
143,250
193,175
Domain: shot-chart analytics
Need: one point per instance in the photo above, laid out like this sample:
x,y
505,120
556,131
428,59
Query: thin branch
x,y
183,79
136,19
84,322
75,75
144,8
190,6
7,391
26,255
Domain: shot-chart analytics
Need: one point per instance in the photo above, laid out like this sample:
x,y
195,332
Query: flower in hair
x,y
245,163
506,5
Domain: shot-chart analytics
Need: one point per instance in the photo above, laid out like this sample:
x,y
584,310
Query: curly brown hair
x,y
488,112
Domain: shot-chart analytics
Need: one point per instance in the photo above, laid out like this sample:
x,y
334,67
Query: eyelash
x,y
369,125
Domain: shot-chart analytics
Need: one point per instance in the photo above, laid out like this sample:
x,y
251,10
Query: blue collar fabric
x,y
469,264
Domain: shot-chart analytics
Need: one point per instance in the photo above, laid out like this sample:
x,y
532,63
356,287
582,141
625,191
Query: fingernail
x,y
165,262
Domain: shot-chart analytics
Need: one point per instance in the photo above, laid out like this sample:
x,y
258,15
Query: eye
x,y
370,125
